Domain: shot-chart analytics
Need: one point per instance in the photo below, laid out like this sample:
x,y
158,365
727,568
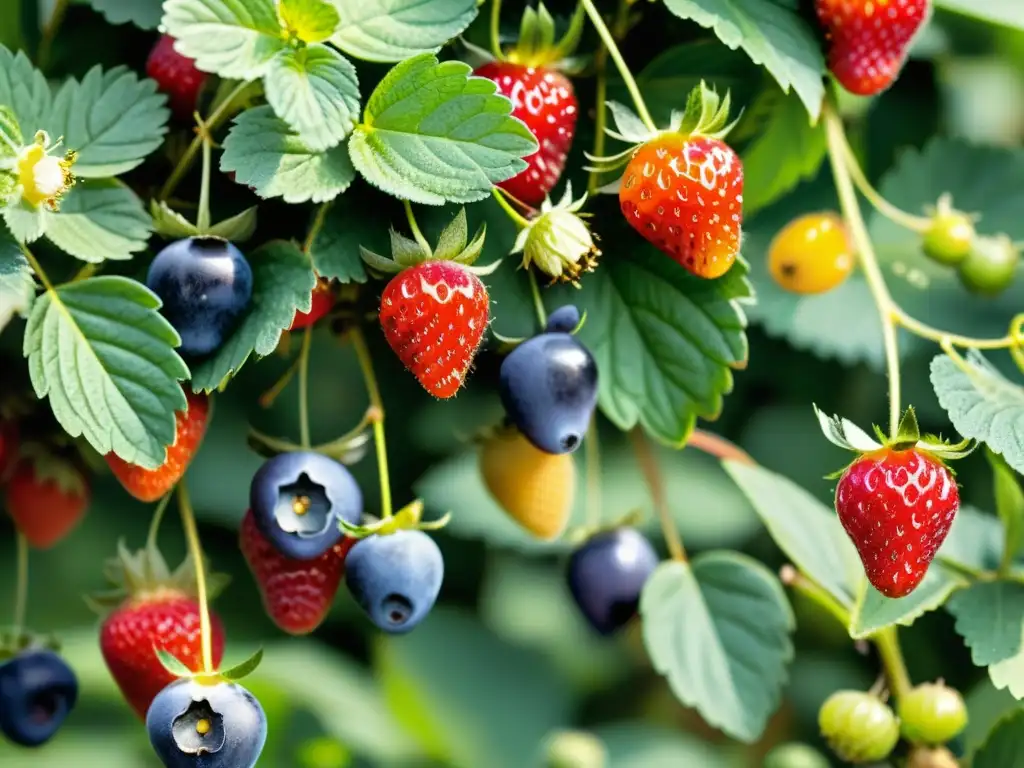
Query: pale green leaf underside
x,y
266,154
719,630
805,529
17,287
874,611
433,134
990,618
393,30
144,14
26,222
315,90
24,89
985,405
771,35
283,280
235,39
105,357
112,119
100,220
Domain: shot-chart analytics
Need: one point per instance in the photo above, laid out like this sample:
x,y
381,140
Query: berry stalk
x,y
656,486
813,591
377,409
21,586
188,521
154,524
203,215
495,29
619,27
888,644
307,342
538,302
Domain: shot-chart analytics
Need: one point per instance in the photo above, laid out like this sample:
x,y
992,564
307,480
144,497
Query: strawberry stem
x,y
814,592
496,29
38,269
377,413
154,523
619,27
416,231
307,339
188,522
21,585
538,302
315,227
620,64
656,487
891,655
719,447
267,398
500,195
203,215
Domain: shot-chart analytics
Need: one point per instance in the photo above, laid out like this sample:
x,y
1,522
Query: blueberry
x,y
395,578
197,725
205,284
38,690
563,320
297,500
549,390
607,574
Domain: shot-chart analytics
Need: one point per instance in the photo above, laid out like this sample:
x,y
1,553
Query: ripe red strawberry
x,y
685,195
869,39
176,76
897,506
297,594
152,609
152,484
323,302
47,496
543,99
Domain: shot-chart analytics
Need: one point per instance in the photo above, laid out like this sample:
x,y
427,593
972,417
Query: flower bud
x,y
558,241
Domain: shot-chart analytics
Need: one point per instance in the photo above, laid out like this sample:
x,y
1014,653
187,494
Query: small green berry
x,y
949,236
990,267
859,727
794,755
932,713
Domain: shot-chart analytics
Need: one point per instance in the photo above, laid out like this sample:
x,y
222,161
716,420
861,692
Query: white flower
x,y
558,241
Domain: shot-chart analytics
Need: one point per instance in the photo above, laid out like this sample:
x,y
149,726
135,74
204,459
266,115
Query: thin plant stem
x,y
601,93
45,49
307,341
656,487
38,269
87,271
495,29
267,398
188,522
592,457
538,302
513,214
316,226
416,231
718,447
888,644
620,64
203,216
21,585
154,523
814,592
373,390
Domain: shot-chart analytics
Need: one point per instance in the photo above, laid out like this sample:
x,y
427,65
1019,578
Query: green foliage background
x,y
504,660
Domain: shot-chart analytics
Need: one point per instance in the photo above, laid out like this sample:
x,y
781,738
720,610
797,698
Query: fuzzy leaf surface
x,y
24,89
17,287
393,30
98,220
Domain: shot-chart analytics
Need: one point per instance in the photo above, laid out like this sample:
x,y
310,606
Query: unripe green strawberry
x,y
859,727
949,238
990,267
932,713
794,755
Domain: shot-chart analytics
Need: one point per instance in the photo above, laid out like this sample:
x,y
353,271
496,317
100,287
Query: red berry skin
x,y
434,316
44,511
176,76
869,40
897,507
297,594
545,100
151,484
685,195
166,619
322,302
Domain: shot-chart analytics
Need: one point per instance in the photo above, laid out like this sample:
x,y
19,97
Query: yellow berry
x,y
811,254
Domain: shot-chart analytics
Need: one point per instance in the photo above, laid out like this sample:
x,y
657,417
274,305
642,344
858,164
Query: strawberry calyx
x,y
537,45
175,667
452,245
408,518
14,640
557,240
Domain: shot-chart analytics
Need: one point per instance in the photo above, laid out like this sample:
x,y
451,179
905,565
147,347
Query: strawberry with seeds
x,y
152,484
531,76
176,75
152,608
435,309
47,495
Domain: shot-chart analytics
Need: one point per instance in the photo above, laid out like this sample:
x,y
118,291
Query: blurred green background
x,y
504,660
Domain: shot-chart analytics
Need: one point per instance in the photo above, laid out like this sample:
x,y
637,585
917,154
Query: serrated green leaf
x,y
351,221
169,223
805,529
1009,506
393,30
283,280
990,618
1007,12
665,341
24,89
172,663
235,39
314,89
985,405
112,119
312,21
1004,746
975,540
237,228
99,220
17,288
26,222
245,668
105,357
718,628
873,611
786,151
432,134
11,139
144,14
773,36
266,154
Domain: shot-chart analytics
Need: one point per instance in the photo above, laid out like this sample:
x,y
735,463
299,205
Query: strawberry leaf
x,y
718,628
1005,12
283,280
315,90
393,30
432,134
171,663
17,288
103,354
243,669
873,611
26,222
99,220
24,90
266,154
1004,744
352,220
311,21
1009,506
990,618
144,14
